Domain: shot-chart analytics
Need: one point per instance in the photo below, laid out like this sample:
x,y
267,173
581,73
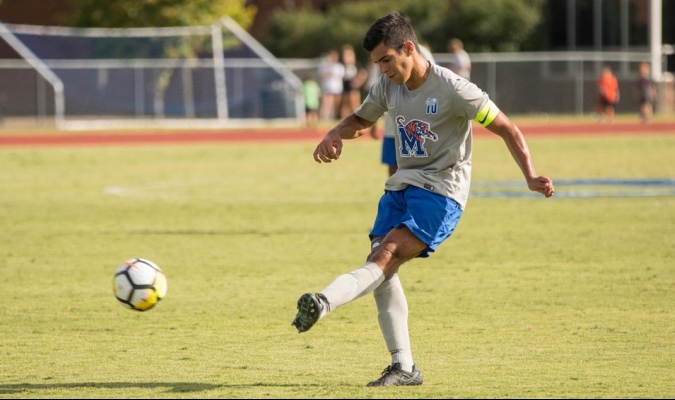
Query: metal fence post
x,y
579,87
219,70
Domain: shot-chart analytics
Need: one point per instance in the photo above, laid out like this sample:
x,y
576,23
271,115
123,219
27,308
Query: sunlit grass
x,y
555,298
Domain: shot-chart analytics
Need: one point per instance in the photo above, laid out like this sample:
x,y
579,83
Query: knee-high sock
x,y
392,309
351,286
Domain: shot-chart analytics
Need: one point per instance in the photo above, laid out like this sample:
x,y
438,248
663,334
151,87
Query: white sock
x,y
351,286
392,309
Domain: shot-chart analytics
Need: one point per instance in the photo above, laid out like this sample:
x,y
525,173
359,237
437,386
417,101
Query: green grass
x,y
530,298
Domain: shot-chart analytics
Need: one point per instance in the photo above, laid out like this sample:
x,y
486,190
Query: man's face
x,y
397,66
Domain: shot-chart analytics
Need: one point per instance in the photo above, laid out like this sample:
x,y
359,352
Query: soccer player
x,y
433,109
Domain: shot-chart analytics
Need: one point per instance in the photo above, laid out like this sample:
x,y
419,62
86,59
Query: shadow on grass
x,y
172,387
222,233
194,232
264,233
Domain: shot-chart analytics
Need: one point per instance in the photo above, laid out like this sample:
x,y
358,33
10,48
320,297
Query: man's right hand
x,y
329,148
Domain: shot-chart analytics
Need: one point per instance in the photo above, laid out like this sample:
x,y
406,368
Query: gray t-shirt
x,y
433,130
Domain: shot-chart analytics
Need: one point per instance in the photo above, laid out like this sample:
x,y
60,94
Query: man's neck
x,y
420,73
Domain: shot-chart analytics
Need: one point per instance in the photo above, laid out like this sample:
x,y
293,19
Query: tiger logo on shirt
x,y
413,135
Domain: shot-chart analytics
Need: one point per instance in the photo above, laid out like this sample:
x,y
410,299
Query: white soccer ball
x,y
139,284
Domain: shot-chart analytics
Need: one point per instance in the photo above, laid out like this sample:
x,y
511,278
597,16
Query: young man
x,y
423,201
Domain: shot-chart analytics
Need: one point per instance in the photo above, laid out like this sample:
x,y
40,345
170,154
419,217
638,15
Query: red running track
x,y
59,138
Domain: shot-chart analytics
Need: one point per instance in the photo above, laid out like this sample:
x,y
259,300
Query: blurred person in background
x,y
354,79
331,74
460,62
311,93
646,93
373,76
608,95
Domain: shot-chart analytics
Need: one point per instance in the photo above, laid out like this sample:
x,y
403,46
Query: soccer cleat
x,y
393,375
309,311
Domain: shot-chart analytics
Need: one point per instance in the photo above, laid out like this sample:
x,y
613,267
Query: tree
x,y
159,13
492,25
486,25
156,13
304,33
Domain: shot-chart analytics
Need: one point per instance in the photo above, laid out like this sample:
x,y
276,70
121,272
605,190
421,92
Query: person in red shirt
x,y
608,94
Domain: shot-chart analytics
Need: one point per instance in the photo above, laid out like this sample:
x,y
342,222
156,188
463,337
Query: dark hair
x,y
393,30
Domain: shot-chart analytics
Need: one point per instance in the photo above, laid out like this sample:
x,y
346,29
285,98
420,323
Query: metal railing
x,y
201,76
546,82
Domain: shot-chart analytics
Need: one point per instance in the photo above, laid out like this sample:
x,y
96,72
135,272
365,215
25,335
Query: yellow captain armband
x,y
487,114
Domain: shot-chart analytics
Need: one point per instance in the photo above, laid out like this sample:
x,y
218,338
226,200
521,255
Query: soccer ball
x,y
139,284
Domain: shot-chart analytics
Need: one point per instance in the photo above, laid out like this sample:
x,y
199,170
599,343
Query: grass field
x,y
568,297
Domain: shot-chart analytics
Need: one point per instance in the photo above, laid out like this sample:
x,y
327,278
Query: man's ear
x,y
408,47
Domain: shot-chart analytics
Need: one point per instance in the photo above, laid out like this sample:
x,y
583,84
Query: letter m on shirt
x,y
411,145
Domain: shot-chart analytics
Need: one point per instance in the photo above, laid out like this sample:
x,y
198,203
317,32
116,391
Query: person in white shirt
x,y
460,62
331,74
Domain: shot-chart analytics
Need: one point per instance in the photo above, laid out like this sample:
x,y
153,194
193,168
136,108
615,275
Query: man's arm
x,y
498,123
330,146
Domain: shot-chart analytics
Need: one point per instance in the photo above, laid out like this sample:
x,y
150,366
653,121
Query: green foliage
x,y
298,34
530,298
491,25
305,33
156,13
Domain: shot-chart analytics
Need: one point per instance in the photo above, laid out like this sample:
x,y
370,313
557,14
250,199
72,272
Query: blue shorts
x,y
389,151
429,216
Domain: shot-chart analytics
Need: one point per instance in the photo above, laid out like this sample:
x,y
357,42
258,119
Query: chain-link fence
x,y
548,82
171,77
213,76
